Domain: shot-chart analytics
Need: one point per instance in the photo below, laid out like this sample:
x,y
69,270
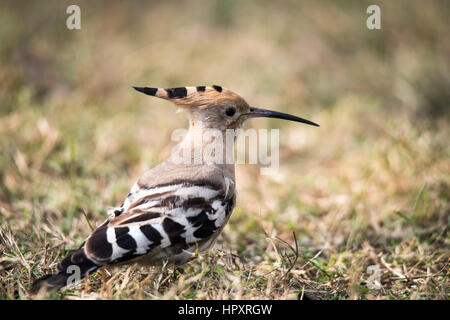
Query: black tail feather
x,y
49,283
72,269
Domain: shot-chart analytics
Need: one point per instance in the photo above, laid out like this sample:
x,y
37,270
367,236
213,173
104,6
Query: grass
x,y
370,187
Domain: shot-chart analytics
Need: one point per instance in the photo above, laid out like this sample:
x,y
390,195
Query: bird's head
x,y
216,107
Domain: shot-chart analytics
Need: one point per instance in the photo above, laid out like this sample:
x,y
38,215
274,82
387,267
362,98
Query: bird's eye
x,y
230,111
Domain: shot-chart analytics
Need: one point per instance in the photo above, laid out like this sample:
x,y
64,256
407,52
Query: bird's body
x,y
175,210
169,213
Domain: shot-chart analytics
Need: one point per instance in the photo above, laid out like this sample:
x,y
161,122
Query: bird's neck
x,y
207,146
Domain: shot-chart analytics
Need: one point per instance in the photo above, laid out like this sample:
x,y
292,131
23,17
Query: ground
x,y
365,197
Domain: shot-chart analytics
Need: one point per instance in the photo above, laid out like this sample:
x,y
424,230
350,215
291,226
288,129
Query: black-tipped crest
x,y
217,88
147,90
180,92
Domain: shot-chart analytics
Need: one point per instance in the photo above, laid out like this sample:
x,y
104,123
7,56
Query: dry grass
x,y
371,186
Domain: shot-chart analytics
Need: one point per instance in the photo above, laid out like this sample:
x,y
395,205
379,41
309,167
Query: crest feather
x,y
200,96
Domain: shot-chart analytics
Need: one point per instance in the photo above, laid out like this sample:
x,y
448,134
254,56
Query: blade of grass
x,y
418,199
87,219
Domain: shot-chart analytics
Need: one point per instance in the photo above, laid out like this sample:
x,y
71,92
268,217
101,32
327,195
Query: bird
x,y
176,209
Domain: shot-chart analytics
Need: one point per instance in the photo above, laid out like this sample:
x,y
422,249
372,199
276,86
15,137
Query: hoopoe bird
x,y
175,209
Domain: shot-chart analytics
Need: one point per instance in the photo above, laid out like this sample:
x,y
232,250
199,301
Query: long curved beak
x,y
258,113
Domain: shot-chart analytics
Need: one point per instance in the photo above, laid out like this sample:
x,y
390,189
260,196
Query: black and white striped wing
x,y
168,221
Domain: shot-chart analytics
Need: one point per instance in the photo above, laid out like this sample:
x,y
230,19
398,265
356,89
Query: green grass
x,y
371,186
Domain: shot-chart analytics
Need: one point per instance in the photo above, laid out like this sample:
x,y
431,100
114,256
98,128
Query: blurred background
x,y
371,186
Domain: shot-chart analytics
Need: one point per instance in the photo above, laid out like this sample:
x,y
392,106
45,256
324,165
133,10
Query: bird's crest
x,y
200,96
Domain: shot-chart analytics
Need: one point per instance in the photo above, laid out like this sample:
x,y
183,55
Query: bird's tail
x,y
70,270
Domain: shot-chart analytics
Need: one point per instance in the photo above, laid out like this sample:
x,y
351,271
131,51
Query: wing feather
x,y
171,218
